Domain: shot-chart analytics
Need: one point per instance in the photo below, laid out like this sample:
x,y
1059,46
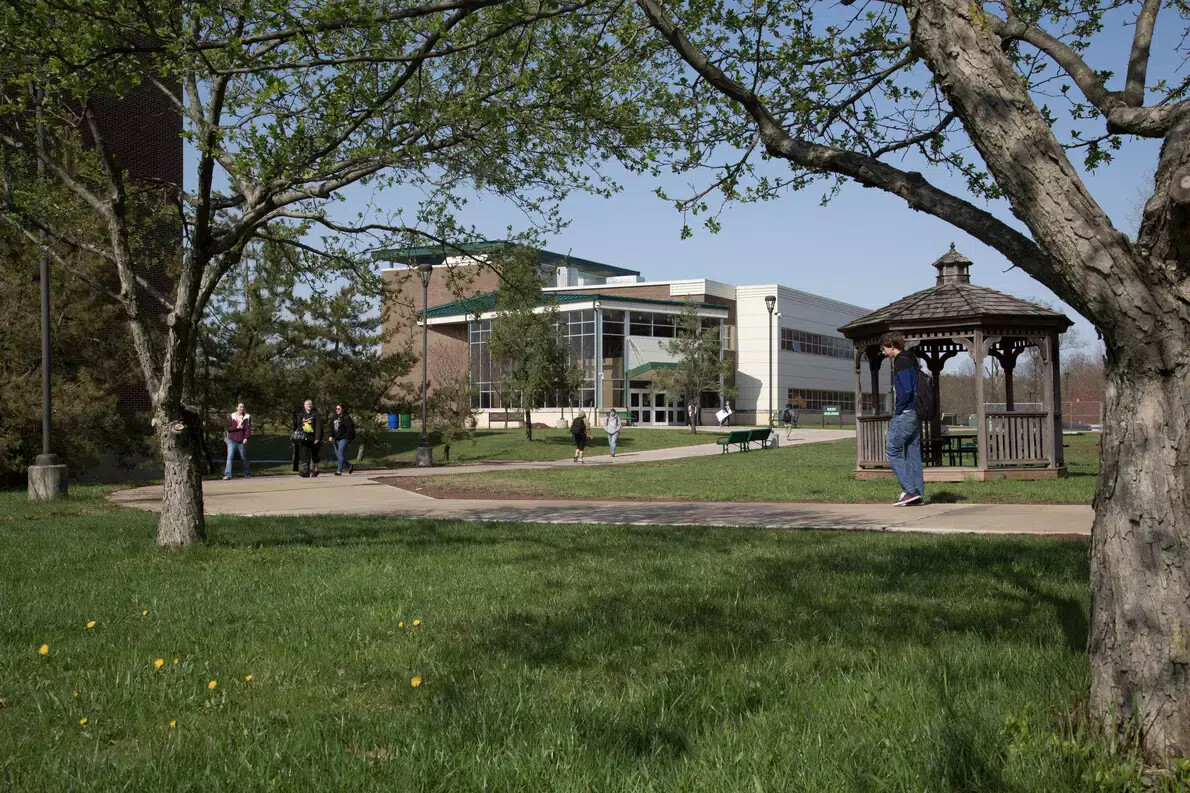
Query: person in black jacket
x,y
342,433
309,423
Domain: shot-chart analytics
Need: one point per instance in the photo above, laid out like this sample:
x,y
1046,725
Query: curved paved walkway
x,y
361,494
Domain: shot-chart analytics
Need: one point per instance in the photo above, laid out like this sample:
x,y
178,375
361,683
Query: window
x,y
643,323
815,399
485,385
793,340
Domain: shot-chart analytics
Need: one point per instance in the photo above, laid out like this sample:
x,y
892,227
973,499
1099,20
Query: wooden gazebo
x,y
952,317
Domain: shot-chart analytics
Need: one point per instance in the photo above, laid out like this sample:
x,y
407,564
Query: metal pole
x,y
46,414
425,272
47,477
770,364
425,333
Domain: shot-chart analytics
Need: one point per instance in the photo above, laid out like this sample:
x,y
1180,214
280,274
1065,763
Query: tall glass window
x,y
613,359
485,386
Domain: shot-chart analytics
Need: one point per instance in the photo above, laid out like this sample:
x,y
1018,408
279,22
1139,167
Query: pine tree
x,y
272,349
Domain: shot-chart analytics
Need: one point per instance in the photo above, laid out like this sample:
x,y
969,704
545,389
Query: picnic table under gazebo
x,y
951,318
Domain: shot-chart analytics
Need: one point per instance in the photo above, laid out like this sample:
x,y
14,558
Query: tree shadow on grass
x,y
876,598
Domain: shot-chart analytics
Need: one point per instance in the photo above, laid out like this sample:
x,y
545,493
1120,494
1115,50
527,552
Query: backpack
x,y
923,400
787,415
578,427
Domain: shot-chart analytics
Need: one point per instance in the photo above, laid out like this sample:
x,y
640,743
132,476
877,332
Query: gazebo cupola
x,y
953,268
952,317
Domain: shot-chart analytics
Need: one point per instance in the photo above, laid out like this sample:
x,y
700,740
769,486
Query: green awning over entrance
x,y
636,371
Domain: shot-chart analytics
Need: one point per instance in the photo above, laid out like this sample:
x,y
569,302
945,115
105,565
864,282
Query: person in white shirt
x,y
612,427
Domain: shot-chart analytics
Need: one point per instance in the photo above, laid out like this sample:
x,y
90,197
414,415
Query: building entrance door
x,y
656,409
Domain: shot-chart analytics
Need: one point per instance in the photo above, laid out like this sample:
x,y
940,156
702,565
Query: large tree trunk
x,y
181,521
1140,587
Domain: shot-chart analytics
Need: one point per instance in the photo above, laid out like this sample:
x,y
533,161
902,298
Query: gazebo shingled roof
x,y
952,299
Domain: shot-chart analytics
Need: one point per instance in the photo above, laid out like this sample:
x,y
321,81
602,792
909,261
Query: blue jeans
x,y
232,448
612,437
341,454
904,452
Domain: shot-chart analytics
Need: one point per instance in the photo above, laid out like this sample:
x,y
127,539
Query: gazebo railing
x,y
1017,438
872,436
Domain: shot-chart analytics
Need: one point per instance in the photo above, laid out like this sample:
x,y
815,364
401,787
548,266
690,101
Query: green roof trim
x,y
637,371
486,301
437,254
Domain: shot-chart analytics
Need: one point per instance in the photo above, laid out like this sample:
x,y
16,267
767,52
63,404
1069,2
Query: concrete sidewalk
x,y
362,495
800,438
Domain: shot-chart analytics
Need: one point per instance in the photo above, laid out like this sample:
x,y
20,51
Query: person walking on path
x,y
727,411
310,425
342,433
904,430
578,428
612,427
236,433
787,420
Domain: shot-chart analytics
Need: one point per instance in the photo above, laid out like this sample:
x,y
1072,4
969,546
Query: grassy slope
x,y
560,658
816,472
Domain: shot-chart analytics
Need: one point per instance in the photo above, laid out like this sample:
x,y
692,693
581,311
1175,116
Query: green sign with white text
x,y
832,410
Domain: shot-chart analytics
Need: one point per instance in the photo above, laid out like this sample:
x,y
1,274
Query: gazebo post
x,y
1053,404
875,361
981,417
1008,362
859,407
859,384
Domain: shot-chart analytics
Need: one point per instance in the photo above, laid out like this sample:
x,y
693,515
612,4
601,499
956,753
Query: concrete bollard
x,y
47,482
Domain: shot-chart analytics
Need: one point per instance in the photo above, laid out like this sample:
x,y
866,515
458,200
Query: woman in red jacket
x,y
239,427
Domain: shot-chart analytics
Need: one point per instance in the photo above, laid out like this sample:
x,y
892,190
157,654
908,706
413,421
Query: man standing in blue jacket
x,y
904,430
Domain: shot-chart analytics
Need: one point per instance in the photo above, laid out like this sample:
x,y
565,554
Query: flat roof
x,y
485,302
438,254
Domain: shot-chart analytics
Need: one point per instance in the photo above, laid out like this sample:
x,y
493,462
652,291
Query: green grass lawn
x,y
550,658
399,447
815,472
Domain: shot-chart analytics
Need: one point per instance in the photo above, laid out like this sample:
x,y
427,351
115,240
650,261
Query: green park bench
x,y
744,439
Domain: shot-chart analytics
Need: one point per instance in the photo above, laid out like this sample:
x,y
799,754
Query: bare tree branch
x,y
1138,59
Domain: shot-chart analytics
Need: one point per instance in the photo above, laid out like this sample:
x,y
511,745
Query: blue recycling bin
x,y
392,421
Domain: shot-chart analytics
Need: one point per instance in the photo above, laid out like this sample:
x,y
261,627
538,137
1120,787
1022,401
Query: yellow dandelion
x,y
173,723
247,678
175,662
74,693
83,720
401,624
160,662
415,681
90,624
43,649
212,684
144,612
416,623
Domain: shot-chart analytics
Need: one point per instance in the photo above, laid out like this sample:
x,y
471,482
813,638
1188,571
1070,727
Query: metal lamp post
x,y
47,477
424,271
770,301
